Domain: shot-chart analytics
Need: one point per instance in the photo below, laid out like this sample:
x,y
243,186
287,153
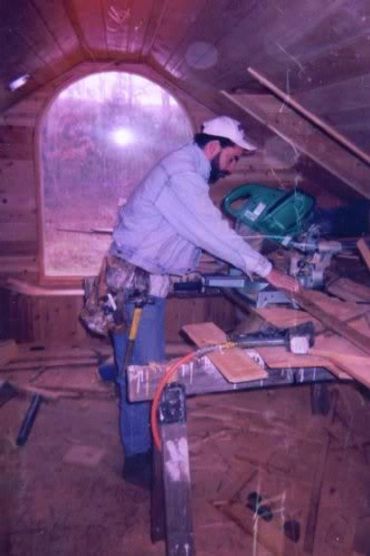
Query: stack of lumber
x,y
342,341
342,331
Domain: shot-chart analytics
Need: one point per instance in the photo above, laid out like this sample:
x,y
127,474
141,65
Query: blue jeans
x,y
149,346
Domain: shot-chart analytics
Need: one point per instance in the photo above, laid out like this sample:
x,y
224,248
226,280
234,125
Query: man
x,y
162,229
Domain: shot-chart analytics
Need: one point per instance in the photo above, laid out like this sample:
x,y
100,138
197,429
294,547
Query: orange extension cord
x,y
172,368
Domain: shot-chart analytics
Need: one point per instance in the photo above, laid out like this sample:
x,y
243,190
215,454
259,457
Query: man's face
x,y
223,163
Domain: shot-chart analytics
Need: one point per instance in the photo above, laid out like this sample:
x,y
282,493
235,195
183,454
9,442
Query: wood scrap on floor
x,y
319,473
235,364
8,351
365,251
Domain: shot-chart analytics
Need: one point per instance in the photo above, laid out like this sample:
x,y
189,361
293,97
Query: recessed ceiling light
x,y
18,82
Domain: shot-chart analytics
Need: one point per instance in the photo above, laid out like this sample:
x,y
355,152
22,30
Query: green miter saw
x,y
278,215
285,217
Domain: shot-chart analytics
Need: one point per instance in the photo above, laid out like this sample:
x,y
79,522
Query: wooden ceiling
x,y
315,52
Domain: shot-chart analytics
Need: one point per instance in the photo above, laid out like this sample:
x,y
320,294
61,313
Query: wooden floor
x,y
62,493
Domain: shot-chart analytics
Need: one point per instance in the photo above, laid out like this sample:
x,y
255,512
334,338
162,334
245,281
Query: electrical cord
x,y
166,378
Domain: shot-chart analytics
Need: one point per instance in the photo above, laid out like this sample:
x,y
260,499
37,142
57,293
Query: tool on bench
x,y
277,214
285,218
297,339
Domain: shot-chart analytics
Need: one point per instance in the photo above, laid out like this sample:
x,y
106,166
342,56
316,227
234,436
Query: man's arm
x,y
185,203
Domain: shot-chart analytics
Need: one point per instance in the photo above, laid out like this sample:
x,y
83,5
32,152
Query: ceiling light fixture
x,y
18,82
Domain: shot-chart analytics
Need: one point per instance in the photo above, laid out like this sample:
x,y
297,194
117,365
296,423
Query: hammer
x,y
297,339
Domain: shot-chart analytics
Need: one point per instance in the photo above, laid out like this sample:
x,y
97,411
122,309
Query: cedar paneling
x,y
55,320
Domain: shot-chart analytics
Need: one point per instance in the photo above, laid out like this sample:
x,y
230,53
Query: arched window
x,y
99,138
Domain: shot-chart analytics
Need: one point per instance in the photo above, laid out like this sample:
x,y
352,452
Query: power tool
x,y
286,218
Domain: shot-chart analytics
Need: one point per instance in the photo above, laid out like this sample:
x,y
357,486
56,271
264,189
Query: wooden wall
x,y
52,318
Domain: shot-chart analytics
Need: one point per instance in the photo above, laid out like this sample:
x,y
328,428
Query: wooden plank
x,y
177,490
309,538
304,299
53,14
345,356
280,358
266,537
235,364
306,138
88,24
310,116
8,351
348,290
283,317
365,251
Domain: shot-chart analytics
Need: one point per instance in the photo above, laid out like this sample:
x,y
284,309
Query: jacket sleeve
x,y
185,203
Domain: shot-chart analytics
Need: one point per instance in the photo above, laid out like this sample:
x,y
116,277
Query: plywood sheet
x,y
235,364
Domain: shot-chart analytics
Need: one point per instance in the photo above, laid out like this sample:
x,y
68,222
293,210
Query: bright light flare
x,y
122,136
18,82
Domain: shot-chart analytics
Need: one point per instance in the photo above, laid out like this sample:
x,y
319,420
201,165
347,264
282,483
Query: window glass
x,y
99,138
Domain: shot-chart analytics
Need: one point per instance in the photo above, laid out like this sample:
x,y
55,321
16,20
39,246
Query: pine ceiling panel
x,y
117,22
126,23
177,18
347,95
241,34
87,19
31,37
55,18
331,66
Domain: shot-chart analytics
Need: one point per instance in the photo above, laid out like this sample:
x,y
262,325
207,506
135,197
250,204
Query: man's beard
x,y
216,173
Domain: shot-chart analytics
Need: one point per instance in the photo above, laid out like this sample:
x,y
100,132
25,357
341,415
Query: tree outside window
x,y
99,138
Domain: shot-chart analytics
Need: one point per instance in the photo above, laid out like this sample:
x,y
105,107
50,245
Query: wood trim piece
x,y
365,251
235,364
287,99
358,339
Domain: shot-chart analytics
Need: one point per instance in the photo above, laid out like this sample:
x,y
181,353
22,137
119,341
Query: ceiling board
x,y
347,95
307,139
153,25
56,20
33,37
87,18
174,27
117,20
257,36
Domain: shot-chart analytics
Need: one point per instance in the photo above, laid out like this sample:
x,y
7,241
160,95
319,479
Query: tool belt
x,y
106,294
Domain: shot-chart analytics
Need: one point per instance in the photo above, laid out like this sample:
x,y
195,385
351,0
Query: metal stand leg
x,y
176,472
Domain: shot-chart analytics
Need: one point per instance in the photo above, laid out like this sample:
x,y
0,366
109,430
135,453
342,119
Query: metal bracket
x,y
172,408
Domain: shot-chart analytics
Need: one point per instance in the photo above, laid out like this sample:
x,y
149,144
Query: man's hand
x,y
283,281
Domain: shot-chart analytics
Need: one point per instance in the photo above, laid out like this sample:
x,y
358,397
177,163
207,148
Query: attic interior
x,y
264,438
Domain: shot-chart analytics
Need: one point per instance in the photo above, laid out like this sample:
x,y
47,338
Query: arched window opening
x,y
99,138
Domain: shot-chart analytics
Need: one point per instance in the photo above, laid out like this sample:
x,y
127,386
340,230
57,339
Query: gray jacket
x,y
170,219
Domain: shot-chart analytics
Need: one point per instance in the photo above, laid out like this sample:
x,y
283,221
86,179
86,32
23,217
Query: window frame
x,y
73,281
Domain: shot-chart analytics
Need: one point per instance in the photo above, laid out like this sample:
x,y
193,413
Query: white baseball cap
x,y
223,126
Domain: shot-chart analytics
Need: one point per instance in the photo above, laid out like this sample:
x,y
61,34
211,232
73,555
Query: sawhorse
x,y
171,497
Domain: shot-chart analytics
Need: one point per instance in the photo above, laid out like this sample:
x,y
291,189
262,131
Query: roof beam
x,y
307,138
